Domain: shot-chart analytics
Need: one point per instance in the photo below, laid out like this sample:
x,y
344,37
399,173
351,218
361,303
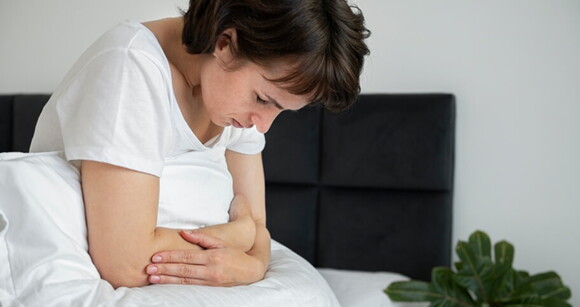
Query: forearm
x,y
248,175
239,233
224,263
232,267
169,239
121,208
124,265
259,242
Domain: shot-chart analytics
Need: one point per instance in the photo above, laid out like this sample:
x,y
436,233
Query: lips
x,y
236,124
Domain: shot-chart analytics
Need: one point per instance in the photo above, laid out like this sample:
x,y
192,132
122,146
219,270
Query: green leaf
x,y
480,243
411,291
504,280
523,276
477,271
561,293
549,285
451,293
537,288
507,284
524,294
552,302
441,292
484,281
504,254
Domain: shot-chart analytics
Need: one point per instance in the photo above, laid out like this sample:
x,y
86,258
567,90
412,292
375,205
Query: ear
x,y
224,46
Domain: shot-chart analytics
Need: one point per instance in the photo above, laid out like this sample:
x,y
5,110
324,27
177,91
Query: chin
x,y
222,124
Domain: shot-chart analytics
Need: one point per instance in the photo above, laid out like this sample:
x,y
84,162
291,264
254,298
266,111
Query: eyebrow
x,y
276,104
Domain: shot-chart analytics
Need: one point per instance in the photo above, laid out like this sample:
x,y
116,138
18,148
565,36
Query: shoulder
x,y
128,43
126,55
131,36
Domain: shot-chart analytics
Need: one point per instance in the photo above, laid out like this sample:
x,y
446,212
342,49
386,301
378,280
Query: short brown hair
x,y
325,36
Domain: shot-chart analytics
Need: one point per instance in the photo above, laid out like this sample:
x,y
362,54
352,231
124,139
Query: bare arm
x,y
121,210
248,175
220,264
240,231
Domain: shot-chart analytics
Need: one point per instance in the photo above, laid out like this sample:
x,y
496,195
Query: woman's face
x,y
243,96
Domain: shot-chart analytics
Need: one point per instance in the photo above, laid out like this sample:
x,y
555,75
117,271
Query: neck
x,y
189,65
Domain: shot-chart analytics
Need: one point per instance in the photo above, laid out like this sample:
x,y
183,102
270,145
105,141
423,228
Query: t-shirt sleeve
x,y
116,110
247,141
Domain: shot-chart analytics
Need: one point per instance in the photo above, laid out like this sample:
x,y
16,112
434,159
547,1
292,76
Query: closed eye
x,y
260,100
269,101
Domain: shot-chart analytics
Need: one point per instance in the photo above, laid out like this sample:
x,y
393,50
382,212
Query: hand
x,y
217,265
240,234
240,231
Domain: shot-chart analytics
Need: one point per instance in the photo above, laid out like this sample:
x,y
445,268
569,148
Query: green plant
x,y
479,281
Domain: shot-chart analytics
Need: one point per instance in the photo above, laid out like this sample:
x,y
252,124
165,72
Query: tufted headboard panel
x,y
367,189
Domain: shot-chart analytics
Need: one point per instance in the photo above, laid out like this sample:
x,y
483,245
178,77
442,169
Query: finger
x,y
204,240
167,279
179,270
184,256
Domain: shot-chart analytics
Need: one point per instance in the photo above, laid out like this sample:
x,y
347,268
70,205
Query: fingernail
x,y
154,279
151,269
156,258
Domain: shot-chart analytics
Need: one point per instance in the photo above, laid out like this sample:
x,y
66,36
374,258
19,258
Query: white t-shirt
x,y
116,105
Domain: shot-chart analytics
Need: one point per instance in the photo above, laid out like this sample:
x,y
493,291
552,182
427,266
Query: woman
x,y
146,95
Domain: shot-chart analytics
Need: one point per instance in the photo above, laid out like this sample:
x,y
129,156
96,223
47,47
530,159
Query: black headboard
x,y
368,189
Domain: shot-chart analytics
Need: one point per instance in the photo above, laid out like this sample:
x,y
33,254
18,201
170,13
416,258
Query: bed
x,y
364,196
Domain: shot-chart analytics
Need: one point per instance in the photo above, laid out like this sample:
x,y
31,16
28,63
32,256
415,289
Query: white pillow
x,y
44,259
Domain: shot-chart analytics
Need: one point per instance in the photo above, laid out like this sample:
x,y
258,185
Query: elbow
x,y
127,279
121,272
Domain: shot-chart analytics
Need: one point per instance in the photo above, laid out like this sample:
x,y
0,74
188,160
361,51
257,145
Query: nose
x,y
264,120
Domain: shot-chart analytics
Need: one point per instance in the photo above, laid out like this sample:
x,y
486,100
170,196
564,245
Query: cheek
x,y
212,93
228,92
220,104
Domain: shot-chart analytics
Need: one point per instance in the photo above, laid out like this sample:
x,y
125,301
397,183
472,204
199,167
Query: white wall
x,y
40,40
514,67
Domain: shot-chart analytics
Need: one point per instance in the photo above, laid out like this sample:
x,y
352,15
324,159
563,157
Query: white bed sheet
x,y
364,289
44,259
